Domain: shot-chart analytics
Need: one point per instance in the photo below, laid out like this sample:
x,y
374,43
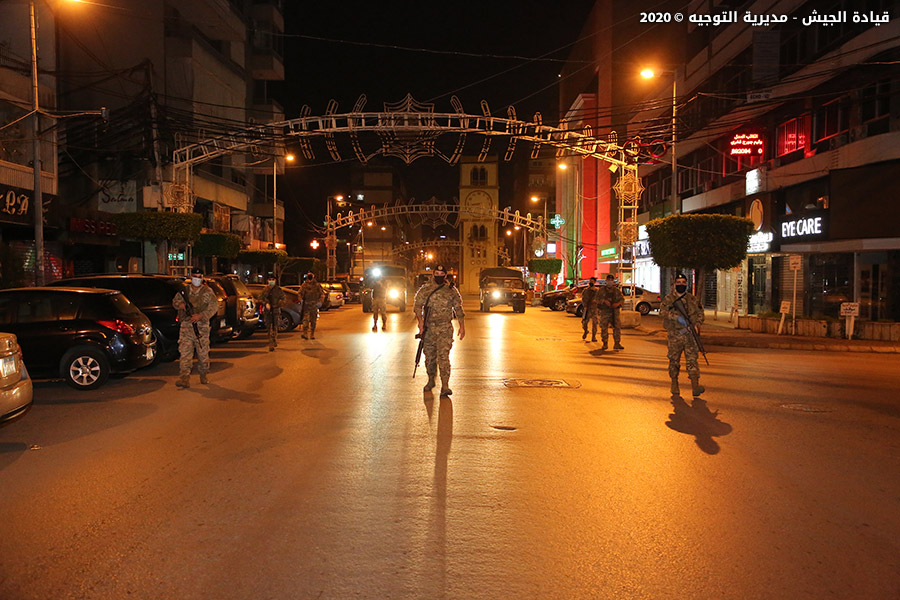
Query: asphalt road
x,y
321,471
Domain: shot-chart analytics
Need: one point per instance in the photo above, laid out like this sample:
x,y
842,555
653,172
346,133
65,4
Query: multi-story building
x,y
793,123
599,91
168,72
17,222
797,126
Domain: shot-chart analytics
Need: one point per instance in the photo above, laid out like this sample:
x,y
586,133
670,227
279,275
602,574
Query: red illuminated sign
x,y
746,144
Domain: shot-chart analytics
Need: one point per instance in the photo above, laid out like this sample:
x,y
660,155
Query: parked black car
x,y
153,295
79,334
556,299
242,314
354,291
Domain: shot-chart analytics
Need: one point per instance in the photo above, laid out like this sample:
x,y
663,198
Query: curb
x,y
749,342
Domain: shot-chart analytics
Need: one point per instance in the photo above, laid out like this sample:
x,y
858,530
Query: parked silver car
x,y
15,383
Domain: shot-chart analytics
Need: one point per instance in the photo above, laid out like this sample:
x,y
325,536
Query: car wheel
x,y
285,323
559,304
243,334
643,308
85,368
579,312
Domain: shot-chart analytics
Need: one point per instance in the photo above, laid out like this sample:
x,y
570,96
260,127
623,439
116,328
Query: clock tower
x,y
478,203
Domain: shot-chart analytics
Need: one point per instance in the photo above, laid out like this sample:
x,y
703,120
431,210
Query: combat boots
x,y
696,388
184,381
204,378
430,385
675,389
618,346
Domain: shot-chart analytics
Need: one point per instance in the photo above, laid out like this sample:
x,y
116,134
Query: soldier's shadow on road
x,y
323,353
217,392
697,420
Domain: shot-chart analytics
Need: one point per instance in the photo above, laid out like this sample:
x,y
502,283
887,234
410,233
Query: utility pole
x,y
38,204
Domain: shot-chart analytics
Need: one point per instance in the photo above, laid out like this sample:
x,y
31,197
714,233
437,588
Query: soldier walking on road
x,y
589,307
440,303
195,306
312,295
379,305
673,309
610,300
272,299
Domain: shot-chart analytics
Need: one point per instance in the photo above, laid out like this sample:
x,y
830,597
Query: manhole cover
x,y
541,383
806,408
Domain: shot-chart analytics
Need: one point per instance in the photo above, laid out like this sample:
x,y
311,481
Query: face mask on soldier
x,y
196,281
271,282
439,279
681,288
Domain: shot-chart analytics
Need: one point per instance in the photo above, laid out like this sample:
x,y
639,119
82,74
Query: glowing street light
x,y
649,74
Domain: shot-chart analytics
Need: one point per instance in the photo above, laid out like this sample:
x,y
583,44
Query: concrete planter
x,y
812,328
886,332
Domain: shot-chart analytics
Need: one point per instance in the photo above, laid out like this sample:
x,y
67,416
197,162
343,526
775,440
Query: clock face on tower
x,y
479,201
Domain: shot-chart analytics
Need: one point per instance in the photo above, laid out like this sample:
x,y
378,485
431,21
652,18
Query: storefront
x,y
646,272
17,237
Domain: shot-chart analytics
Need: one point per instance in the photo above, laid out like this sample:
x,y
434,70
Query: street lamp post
x,y
38,205
649,74
288,158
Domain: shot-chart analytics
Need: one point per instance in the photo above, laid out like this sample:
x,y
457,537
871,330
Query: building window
x,y
482,232
875,106
792,135
478,176
832,118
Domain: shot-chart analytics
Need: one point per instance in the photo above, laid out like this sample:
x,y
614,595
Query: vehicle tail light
x,y
119,326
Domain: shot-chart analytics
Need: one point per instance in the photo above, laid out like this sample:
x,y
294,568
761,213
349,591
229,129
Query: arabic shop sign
x,y
607,252
91,226
760,241
810,225
16,207
746,144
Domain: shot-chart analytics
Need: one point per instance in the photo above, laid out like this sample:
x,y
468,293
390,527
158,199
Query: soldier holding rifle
x,y
682,316
195,306
435,306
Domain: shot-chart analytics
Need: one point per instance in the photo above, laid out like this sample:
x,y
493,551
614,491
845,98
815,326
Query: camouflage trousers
x,y
188,343
272,327
684,342
438,341
310,317
607,318
379,307
593,317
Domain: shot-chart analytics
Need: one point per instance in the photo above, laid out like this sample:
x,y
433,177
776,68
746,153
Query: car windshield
x,y
506,283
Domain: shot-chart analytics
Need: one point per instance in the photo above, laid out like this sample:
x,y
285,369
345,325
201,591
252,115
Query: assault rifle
x,y
189,310
679,306
421,336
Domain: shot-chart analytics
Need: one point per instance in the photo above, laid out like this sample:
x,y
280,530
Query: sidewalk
x,y
722,333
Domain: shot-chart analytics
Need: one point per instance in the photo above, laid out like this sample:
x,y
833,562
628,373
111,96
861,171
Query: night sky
x,y
351,57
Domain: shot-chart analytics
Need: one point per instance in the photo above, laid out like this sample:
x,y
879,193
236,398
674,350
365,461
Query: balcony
x,y
267,43
216,19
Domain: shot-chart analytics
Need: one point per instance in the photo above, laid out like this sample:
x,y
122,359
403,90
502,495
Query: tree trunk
x,y
162,256
701,286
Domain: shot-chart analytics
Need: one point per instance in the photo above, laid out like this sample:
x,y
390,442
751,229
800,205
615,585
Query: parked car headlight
x,y
394,294
496,294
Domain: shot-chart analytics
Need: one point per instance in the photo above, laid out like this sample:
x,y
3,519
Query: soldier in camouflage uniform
x,y
680,338
272,299
194,332
589,306
610,301
312,295
379,304
443,302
